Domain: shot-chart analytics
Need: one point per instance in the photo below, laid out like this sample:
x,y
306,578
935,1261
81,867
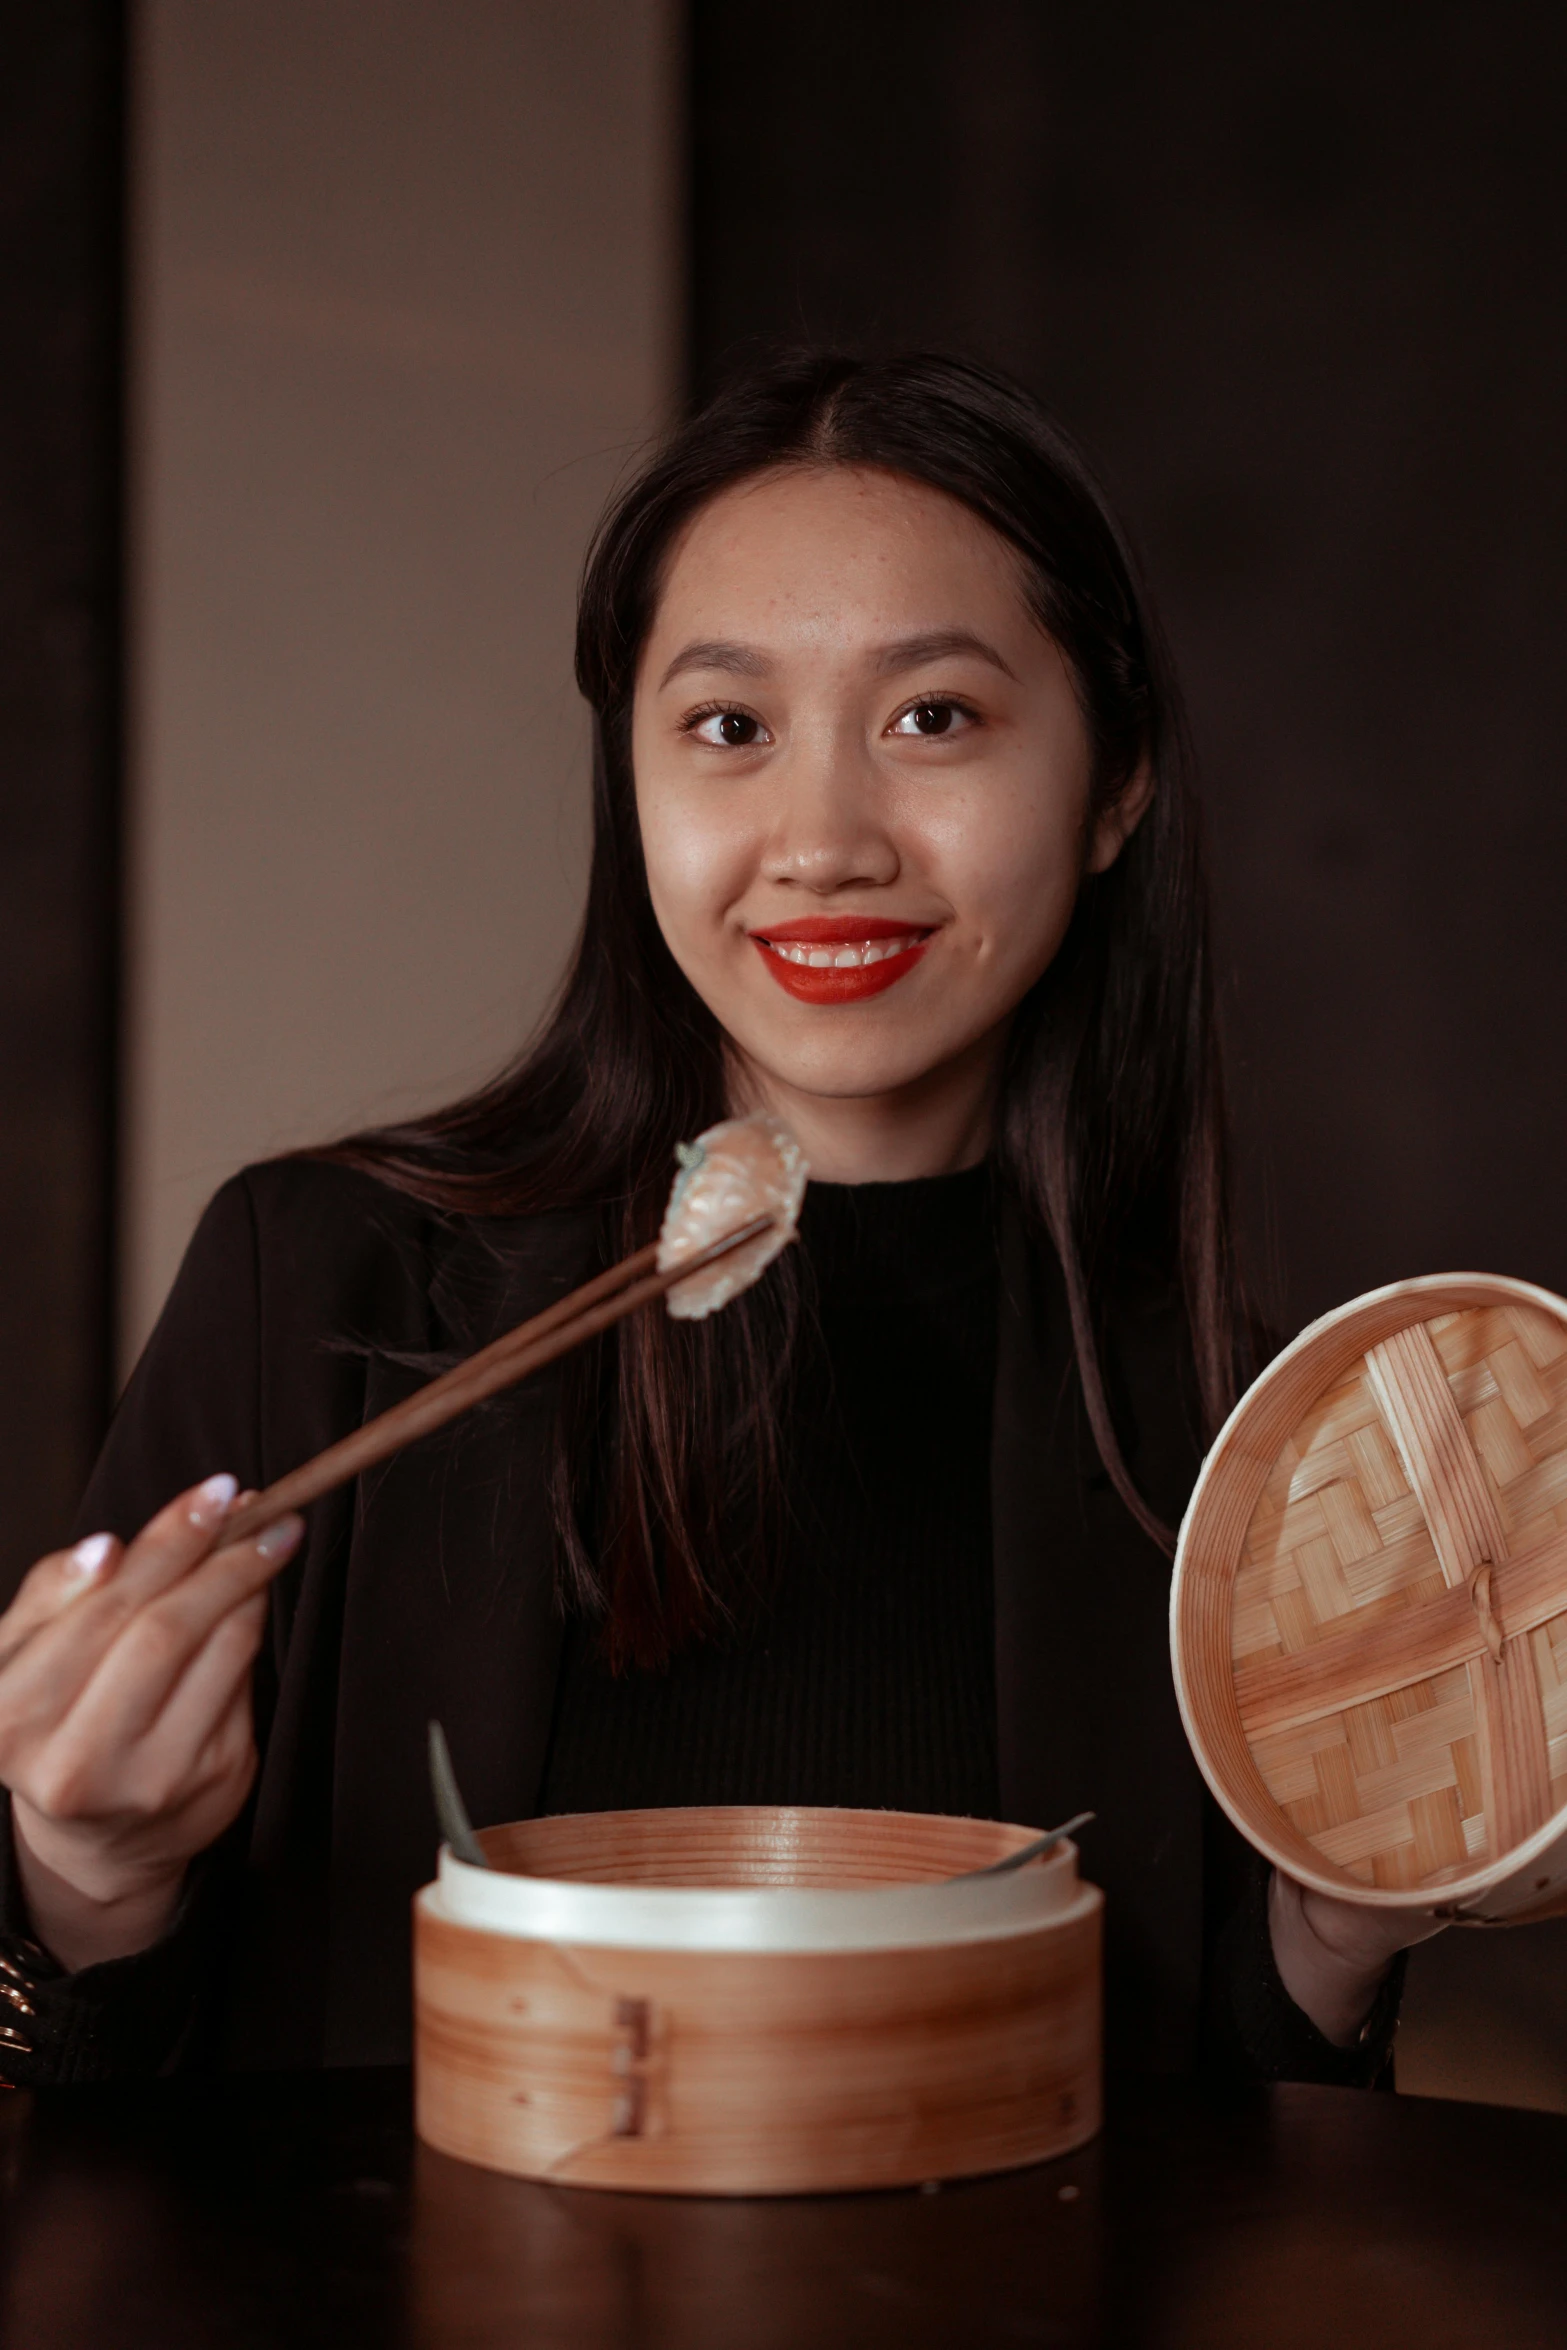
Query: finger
x,y
165,1549
86,1766
51,1587
189,1733
173,1542
229,1758
136,1678
127,1668
203,1739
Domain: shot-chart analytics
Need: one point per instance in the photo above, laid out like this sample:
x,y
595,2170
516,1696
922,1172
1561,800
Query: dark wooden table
x,y
301,2212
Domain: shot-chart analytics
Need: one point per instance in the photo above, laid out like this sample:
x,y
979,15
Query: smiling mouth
x,y
837,959
847,957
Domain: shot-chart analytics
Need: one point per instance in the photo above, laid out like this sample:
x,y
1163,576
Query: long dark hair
x,y
1110,1131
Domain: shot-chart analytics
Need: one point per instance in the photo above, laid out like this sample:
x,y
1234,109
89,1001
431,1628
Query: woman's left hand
x,y
1333,1956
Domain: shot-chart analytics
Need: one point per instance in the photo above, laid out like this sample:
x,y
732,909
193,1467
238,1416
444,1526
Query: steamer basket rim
x,y
761,1919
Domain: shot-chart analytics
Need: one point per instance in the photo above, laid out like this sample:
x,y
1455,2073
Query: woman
x,y
892,836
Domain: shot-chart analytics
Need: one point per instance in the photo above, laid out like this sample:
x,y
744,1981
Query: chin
x,y
847,1068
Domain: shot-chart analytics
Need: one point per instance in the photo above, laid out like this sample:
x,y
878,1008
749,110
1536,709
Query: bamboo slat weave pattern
x,y
1398,1617
1352,1533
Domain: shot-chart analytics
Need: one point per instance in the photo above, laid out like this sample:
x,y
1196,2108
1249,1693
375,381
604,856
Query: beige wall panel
x,y
406,305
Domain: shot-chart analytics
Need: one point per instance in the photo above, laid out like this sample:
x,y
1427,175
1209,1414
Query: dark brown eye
x,y
725,730
929,719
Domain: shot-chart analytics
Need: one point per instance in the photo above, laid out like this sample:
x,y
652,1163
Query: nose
x,y
829,831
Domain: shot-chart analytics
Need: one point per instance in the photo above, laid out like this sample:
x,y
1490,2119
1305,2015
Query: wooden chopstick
x,y
606,1299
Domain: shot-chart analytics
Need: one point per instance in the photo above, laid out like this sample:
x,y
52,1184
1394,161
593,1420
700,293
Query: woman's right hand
x,y
126,1729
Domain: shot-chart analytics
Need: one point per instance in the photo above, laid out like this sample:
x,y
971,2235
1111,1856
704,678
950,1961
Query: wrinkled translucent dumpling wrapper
x,y
745,1168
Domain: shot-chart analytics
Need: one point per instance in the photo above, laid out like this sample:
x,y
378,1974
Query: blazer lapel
x,y
1087,1716
449,1613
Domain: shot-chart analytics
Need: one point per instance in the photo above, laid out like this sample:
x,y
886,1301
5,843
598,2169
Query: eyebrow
x,y
908,652
738,660
911,651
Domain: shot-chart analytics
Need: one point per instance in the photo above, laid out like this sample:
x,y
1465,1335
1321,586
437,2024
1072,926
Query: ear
x,y
1115,827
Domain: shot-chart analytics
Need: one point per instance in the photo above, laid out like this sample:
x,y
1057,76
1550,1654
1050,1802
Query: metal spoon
x,y
450,1810
1024,1852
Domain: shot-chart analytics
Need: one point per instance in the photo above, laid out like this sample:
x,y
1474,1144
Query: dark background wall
x,y
60,216
1295,277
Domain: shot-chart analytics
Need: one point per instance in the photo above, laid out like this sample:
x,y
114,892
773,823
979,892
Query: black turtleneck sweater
x,y
868,1675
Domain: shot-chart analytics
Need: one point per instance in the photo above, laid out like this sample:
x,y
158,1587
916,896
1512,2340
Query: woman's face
x,y
863,779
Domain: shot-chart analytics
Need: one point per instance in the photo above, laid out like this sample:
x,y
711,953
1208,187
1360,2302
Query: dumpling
x,y
735,1172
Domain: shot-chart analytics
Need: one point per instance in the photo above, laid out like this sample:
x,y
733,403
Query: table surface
x,y
301,2211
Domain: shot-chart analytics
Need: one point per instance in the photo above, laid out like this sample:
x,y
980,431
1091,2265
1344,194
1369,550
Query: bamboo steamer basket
x,y
1369,1611
749,2001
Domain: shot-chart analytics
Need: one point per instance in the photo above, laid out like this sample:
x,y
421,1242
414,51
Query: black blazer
x,y
313,1297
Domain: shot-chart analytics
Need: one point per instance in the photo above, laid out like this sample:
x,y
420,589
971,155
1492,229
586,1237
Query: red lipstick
x,y
840,958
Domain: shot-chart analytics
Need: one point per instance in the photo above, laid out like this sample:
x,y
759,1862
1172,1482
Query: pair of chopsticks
x,y
599,1303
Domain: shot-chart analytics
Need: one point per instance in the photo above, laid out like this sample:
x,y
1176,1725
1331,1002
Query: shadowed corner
x,y
1482,2017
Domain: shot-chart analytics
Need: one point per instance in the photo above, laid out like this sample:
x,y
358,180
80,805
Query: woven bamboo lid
x,y
1369,1613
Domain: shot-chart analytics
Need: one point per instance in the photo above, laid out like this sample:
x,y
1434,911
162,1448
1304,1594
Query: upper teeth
x,y
844,958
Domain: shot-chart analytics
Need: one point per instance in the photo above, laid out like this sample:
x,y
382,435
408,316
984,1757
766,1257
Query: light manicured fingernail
x,y
212,1499
86,1562
279,1540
